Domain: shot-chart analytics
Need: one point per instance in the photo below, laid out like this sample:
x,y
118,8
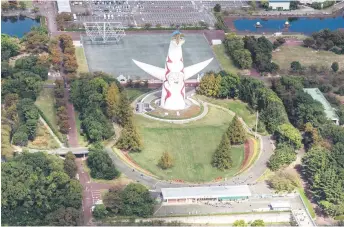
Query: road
x,y
48,10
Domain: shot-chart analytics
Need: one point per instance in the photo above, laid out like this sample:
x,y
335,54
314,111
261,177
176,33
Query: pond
x,y
301,25
17,26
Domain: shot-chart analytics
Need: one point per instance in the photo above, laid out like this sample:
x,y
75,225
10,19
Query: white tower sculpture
x,y
174,74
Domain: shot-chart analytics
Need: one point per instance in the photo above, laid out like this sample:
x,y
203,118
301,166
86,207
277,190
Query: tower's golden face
x,y
178,40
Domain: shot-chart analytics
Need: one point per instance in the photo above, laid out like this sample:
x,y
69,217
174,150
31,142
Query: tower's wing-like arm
x,y
194,69
151,70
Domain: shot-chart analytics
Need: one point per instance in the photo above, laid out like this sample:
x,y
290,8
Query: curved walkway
x,y
248,177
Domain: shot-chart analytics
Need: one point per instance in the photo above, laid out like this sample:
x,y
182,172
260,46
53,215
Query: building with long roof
x,y
63,6
329,110
210,193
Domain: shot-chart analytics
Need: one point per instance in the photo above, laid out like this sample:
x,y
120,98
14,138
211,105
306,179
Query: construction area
x,y
151,48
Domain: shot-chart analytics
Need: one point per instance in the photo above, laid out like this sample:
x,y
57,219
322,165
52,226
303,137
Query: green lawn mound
x,y
191,145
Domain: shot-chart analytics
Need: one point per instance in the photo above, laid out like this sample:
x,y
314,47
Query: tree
x,y
101,165
166,161
286,133
9,46
125,112
294,5
217,8
129,139
240,223
100,211
242,58
284,182
295,66
69,165
147,26
31,126
236,132
283,155
5,6
36,41
136,200
229,86
22,5
338,153
112,100
335,66
308,42
258,222
311,136
222,157
112,199
20,137
210,85
35,9
35,191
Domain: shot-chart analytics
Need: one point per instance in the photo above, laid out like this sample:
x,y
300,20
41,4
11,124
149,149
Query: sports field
x,y
116,59
306,56
191,145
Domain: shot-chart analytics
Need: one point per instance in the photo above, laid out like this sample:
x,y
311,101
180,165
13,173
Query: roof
x,y
63,6
280,204
202,192
318,95
280,0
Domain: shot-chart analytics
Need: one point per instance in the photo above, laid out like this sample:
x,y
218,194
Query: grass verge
x,y
43,139
81,60
224,60
307,202
133,93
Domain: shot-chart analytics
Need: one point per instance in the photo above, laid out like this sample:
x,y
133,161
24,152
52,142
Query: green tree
x,y
100,211
294,5
136,201
284,182
335,66
315,161
229,86
22,5
236,132
101,165
64,217
242,59
308,42
9,46
125,112
5,6
129,139
69,165
283,155
166,161
338,154
258,222
20,137
240,223
286,133
295,66
112,199
217,8
222,157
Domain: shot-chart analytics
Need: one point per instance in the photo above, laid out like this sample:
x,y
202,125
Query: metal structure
x,y
104,32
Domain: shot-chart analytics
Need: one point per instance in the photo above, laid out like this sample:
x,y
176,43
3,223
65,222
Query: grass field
x,y
45,102
81,60
306,56
133,93
237,106
43,139
191,145
224,60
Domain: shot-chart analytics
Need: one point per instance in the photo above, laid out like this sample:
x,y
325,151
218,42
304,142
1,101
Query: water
x,y
300,25
17,26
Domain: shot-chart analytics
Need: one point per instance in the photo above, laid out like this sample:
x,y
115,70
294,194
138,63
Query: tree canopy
x,y
222,157
36,190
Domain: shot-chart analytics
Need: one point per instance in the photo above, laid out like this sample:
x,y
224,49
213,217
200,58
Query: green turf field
x,y
133,93
224,60
81,60
45,102
237,106
191,145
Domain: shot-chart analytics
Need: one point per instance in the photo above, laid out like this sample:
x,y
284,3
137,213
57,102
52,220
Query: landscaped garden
x,y
191,146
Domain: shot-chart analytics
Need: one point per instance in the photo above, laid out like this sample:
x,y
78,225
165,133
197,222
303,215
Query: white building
x,y
63,6
279,4
280,206
212,193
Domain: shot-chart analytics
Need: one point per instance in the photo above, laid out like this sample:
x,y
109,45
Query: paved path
x,y
48,10
91,192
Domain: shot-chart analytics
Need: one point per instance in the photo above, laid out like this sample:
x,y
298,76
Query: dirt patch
x,y
248,153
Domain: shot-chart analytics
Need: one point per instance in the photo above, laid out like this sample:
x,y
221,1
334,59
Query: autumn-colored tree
x,y
222,157
112,100
44,60
236,132
166,161
69,62
311,136
129,139
125,111
210,85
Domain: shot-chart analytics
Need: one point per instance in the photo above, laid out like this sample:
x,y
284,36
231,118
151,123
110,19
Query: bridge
x,y
64,151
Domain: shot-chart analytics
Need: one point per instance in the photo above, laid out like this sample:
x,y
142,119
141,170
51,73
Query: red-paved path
x,y
72,134
91,192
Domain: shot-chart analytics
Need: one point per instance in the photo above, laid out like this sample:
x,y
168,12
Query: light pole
x,y
255,134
